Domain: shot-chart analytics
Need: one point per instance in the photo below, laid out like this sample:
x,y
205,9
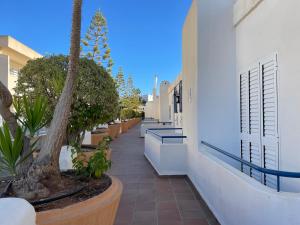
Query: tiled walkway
x,y
149,199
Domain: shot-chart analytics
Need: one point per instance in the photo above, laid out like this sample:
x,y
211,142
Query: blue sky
x,y
144,35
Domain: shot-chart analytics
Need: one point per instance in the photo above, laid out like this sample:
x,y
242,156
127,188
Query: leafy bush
x,y
129,114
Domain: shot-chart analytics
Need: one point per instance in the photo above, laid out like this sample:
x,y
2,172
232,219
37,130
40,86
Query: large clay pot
x,y
131,123
114,130
124,126
98,136
89,150
99,210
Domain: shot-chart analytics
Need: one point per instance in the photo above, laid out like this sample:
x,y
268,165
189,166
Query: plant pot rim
x,y
98,131
102,200
114,124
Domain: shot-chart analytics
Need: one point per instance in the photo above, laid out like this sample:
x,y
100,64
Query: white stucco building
x,y
240,92
157,106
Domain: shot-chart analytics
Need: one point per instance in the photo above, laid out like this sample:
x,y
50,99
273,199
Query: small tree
x,y
120,82
95,45
129,96
95,97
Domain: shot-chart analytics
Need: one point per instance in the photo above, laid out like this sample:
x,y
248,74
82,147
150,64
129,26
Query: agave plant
x,y
10,149
31,113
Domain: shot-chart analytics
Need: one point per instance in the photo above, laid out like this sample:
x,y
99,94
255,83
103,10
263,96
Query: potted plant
x,y
66,198
114,129
98,136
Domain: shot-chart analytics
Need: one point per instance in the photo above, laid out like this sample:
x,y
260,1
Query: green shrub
x,y
31,114
10,150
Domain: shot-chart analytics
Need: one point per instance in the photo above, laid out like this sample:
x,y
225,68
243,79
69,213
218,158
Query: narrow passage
x,y
149,199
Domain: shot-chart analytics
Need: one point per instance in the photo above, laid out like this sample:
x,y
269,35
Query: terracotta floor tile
x,y
195,222
172,214
168,205
192,214
185,196
189,204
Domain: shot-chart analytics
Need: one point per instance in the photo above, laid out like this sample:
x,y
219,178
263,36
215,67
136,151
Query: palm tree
x,y
46,166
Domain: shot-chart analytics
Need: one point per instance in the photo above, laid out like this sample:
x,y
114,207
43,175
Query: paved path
x,y
149,199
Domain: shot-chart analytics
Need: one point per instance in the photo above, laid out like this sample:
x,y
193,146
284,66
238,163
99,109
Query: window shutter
x,y
254,120
180,96
244,119
269,118
175,100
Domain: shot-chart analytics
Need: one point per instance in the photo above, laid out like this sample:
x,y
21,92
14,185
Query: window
x,y
258,118
14,72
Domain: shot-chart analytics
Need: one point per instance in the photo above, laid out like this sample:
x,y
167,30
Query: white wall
x,y
190,78
234,197
273,26
164,101
218,101
4,69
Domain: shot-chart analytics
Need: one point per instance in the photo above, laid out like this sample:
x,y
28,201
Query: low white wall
x,y
149,125
87,140
236,198
65,158
167,159
16,211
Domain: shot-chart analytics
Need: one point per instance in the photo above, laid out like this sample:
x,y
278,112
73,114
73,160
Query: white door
x,y
244,119
258,115
269,118
255,120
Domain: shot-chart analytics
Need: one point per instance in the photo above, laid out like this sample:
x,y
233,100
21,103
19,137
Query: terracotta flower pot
x,y
114,130
89,151
124,127
98,136
131,123
99,210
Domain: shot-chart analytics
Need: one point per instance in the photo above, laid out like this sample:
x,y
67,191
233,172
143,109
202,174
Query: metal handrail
x,y
165,128
162,137
276,173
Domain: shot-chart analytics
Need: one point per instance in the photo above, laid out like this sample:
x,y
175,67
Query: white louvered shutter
x,y
255,120
269,118
244,119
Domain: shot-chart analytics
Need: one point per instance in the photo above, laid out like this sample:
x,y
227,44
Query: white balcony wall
x,y
235,198
273,26
168,158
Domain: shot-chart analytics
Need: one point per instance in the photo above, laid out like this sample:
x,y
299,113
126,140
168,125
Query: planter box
x,y
114,130
124,126
98,135
86,155
99,210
